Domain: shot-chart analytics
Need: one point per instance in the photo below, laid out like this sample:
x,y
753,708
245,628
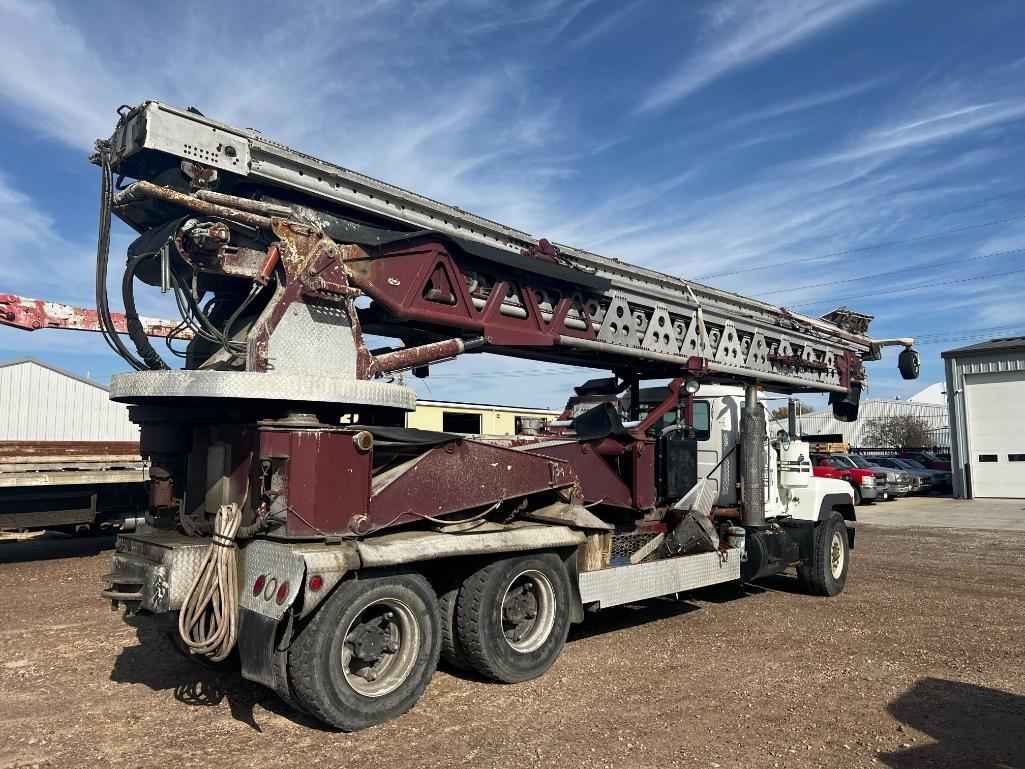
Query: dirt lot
x,y
918,663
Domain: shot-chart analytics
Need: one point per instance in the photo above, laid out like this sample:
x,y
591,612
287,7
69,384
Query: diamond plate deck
x,y
623,584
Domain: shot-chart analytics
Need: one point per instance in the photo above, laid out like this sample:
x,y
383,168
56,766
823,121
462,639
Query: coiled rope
x,y
208,621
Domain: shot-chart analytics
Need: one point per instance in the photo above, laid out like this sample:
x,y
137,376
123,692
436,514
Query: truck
x,y
867,484
299,529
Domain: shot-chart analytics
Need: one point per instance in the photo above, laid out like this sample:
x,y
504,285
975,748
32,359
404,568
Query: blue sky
x,y
770,148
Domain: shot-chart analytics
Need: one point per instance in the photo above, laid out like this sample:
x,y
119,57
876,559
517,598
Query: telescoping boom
x,y
299,526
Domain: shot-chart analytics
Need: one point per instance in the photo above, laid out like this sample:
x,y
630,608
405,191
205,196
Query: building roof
x,y
489,406
934,393
62,372
1004,344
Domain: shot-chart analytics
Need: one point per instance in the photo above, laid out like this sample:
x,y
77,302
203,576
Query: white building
x,y
986,397
40,402
933,414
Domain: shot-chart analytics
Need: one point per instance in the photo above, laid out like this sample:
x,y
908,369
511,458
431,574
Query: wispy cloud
x,y
742,32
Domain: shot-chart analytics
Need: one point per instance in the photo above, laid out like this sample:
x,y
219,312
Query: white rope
x,y
208,621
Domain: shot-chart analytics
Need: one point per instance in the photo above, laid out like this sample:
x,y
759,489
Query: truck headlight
x,y
867,480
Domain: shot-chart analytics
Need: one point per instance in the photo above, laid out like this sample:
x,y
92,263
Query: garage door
x,y
995,406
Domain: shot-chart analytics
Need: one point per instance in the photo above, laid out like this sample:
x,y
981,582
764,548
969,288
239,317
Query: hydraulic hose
x,y
208,621
135,330
107,329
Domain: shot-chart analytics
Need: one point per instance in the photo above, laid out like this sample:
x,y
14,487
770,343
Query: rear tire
x,y
369,652
831,555
513,616
451,648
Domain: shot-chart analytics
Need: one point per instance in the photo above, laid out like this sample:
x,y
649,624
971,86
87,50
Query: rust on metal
x,y
144,189
244,204
34,314
419,356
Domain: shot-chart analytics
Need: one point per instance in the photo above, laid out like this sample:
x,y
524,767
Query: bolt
x,y
393,647
388,616
531,614
371,675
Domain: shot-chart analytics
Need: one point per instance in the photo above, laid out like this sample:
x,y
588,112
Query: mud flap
x,y
256,633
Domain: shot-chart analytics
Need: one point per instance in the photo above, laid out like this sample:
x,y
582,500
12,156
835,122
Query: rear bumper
x,y
153,571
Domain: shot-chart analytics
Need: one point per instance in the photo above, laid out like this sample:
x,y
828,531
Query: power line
x,y
894,272
854,230
967,338
860,248
984,329
909,288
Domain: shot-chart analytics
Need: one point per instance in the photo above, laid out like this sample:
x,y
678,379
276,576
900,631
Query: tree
x,y
897,432
780,413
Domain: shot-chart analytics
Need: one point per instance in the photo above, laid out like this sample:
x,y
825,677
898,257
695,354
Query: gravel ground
x,y
918,663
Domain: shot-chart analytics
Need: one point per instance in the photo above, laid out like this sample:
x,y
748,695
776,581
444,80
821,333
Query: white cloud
x,y
743,32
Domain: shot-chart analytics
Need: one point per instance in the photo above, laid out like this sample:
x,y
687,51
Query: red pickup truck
x,y
868,485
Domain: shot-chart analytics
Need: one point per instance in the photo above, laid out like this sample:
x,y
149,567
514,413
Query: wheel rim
x,y
836,555
528,611
380,647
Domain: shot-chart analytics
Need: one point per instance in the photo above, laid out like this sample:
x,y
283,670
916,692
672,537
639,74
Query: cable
x,y
909,288
892,272
859,249
136,332
234,348
208,621
107,329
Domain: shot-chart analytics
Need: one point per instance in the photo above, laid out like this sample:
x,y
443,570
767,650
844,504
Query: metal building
x,y
986,398
472,418
40,402
823,423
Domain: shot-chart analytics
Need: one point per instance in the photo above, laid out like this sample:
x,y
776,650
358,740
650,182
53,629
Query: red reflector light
x,y
316,582
282,593
258,585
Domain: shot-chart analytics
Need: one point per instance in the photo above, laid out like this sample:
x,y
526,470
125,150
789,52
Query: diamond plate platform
x,y
141,386
624,584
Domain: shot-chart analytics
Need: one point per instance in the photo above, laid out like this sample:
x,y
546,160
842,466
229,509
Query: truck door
x,y
716,421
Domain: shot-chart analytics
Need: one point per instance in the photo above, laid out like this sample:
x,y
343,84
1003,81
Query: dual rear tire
x,y
369,652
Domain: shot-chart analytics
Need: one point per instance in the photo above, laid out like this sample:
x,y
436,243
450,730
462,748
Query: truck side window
x,y
702,420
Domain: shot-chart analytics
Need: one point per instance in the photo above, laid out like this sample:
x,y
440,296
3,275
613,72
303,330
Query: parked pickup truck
x,y
928,480
927,459
898,482
869,485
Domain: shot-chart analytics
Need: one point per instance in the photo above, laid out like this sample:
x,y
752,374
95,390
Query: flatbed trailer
x,y
71,486
337,555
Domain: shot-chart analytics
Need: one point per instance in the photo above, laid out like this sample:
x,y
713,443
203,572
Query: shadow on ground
x,y
52,545
157,663
974,726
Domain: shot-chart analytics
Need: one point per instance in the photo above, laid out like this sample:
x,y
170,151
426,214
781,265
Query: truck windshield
x,y
857,461
914,463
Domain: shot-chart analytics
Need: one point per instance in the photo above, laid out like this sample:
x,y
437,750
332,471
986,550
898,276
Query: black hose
x,y
136,332
107,329
235,349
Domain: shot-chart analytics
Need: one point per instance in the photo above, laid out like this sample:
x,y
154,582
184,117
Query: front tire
x,y
826,575
513,616
369,652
